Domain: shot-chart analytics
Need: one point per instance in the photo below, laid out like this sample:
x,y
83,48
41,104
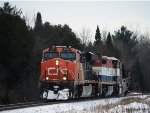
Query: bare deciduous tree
x,y
85,35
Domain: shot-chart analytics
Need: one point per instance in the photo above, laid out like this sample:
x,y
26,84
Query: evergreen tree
x,y
97,36
38,23
125,37
109,40
125,42
16,45
8,9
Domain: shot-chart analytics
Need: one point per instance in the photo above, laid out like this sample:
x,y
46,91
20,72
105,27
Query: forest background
x,y
21,46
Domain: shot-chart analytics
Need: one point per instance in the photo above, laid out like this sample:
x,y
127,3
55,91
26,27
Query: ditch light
x,y
64,78
47,78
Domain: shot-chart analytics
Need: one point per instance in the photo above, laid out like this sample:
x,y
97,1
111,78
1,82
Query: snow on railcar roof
x,y
91,53
111,58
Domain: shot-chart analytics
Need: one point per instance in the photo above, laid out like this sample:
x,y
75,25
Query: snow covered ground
x,y
136,104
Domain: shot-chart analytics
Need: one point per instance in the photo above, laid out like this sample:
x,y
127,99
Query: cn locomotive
x,y
67,73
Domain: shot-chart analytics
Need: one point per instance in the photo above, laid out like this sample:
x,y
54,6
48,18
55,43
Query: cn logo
x,y
52,71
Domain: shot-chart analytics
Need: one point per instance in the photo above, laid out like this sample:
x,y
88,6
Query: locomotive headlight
x,y
64,78
47,78
57,62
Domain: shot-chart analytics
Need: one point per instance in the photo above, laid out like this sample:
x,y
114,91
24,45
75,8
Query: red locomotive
x,y
68,73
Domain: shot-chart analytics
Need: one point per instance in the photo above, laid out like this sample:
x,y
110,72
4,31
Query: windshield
x,y
50,55
68,56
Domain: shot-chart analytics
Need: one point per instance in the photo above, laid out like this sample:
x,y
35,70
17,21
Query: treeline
x,y
21,46
131,48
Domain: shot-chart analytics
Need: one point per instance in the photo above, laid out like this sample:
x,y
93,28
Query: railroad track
x,y
18,105
51,102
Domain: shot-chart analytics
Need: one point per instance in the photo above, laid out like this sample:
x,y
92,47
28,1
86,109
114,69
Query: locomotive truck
x,y
68,73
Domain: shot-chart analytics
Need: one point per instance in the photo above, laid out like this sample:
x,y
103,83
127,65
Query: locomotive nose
x,y
57,69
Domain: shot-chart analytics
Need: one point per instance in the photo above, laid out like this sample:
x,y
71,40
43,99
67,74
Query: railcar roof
x,y
110,58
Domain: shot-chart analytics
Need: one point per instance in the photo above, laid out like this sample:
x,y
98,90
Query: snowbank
x,y
91,106
132,108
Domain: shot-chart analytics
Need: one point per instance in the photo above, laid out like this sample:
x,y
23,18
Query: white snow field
x,y
136,104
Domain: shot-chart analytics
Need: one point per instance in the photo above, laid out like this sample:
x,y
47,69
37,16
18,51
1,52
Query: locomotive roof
x,y
104,57
47,49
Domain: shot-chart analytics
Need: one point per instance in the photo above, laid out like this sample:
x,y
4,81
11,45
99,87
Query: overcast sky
x,y
108,15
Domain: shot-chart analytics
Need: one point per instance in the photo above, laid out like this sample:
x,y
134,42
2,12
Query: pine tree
x,y
38,23
97,36
8,9
16,45
109,40
125,37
